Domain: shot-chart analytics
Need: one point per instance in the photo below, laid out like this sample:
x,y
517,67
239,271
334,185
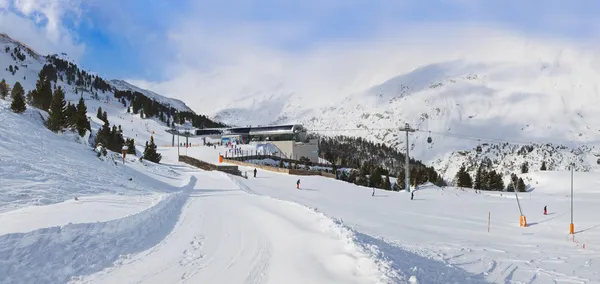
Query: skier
x,y
412,195
545,212
373,192
298,184
254,172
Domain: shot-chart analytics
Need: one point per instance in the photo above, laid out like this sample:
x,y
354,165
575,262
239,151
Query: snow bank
x,y
39,167
398,264
367,255
55,255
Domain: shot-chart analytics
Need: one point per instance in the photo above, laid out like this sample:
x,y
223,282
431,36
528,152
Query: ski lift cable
x,y
479,138
447,134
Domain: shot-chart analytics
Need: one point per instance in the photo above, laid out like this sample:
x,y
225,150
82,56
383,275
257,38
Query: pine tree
x,y
131,146
57,119
400,182
510,187
543,168
375,179
81,120
521,185
386,182
498,182
150,152
105,116
70,114
41,97
103,135
18,99
478,178
115,142
4,89
99,114
463,179
525,168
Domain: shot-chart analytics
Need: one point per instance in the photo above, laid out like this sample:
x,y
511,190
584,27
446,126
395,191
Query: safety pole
x,y
572,226
407,129
523,220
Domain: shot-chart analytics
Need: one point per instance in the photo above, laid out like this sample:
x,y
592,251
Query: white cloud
x,y
40,24
221,67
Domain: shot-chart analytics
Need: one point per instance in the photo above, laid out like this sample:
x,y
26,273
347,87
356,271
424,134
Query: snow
x,y
238,237
175,223
157,223
447,228
125,86
533,97
169,222
104,208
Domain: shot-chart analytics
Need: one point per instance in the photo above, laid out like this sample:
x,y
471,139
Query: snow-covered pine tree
x,y
525,168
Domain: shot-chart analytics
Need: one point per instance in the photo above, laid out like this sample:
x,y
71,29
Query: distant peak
x,y
31,51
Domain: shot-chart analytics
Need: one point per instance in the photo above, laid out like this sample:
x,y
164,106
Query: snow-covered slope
x,y
124,86
39,167
68,216
30,64
542,95
441,236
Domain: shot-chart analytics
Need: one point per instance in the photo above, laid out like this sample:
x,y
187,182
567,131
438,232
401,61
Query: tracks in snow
x,y
226,235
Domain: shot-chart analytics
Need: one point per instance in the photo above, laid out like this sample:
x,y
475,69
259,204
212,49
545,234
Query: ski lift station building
x,y
289,141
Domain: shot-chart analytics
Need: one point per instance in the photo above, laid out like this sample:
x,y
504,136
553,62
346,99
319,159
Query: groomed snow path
x,y
227,235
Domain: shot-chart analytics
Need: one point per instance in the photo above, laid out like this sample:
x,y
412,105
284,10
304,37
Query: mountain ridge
x,y
29,67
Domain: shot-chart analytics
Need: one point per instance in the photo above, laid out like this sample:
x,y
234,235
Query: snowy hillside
x,y
124,86
69,216
546,97
508,158
26,63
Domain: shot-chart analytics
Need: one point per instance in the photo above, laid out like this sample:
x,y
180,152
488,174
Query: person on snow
x,y
298,184
373,192
254,172
545,212
412,195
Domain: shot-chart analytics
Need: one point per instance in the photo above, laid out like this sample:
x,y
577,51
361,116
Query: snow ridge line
x,y
344,233
64,252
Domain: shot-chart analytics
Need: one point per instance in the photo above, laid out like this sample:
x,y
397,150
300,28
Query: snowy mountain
x,y
124,86
548,97
68,215
20,63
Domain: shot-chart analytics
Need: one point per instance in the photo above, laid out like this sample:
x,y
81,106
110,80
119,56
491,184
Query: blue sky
x,y
134,38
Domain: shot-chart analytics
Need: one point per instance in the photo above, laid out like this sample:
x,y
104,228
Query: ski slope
x,y
445,229
68,216
226,235
141,222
